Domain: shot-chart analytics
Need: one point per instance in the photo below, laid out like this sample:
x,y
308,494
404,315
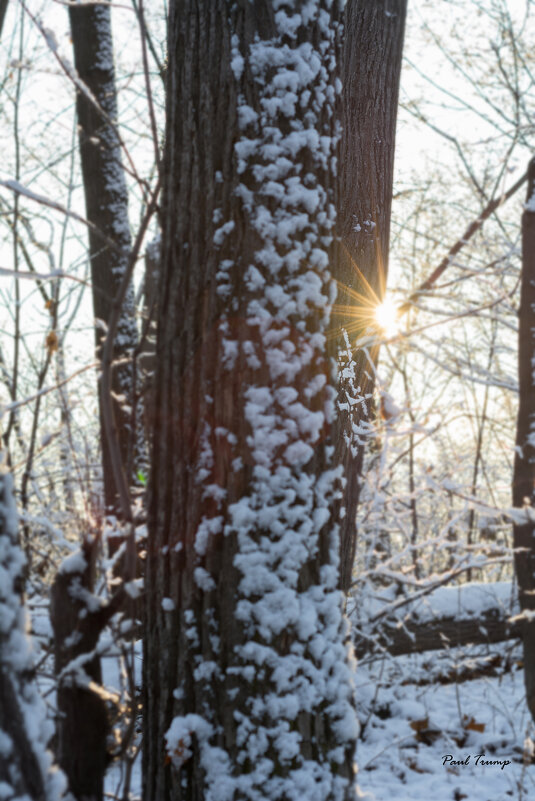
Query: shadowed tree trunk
x,y
107,208
78,620
524,466
371,69
248,689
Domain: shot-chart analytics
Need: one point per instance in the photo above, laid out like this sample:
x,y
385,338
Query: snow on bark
x,y
26,769
294,717
107,208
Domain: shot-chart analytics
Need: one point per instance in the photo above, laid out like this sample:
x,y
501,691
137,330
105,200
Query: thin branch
x,y
468,234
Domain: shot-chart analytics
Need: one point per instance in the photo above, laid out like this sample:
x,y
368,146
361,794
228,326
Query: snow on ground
x,y
485,716
395,761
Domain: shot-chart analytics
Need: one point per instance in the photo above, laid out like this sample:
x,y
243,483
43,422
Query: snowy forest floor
x,y
413,713
412,719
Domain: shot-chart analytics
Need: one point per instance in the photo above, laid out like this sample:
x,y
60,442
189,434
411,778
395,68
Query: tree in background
x,y
106,201
82,722
248,687
370,71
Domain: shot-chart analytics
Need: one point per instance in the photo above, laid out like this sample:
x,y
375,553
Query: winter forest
x,y
267,400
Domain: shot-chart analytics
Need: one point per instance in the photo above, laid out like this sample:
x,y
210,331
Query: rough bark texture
x,y
107,208
373,44
524,466
239,299
23,762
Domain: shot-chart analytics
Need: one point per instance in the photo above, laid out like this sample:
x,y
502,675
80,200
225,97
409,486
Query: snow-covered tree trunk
x,y
371,68
524,466
248,681
107,208
26,771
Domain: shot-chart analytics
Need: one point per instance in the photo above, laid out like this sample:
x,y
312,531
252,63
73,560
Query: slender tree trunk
x,y
371,68
524,466
82,725
248,689
107,207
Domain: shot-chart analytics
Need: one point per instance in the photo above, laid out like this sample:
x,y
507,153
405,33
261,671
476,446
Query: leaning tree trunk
x,y
25,766
107,208
248,688
373,45
524,467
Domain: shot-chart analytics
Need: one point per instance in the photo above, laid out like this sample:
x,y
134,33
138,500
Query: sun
x,y
387,317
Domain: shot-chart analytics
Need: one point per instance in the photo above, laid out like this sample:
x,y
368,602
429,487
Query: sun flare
x,y
387,316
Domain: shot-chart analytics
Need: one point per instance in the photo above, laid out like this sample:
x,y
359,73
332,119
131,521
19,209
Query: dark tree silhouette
x,y
524,465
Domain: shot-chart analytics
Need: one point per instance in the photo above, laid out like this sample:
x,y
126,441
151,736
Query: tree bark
x,y
371,69
248,688
524,465
82,724
107,208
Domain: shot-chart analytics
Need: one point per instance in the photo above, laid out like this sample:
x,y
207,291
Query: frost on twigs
x,y
288,677
26,769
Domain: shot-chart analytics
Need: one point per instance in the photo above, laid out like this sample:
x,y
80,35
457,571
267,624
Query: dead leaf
x,y
419,725
471,725
52,342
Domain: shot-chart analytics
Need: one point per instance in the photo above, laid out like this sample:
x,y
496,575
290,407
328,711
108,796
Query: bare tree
x,y
82,723
371,70
107,209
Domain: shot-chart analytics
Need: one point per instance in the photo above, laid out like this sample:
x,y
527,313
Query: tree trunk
x,y
373,45
78,619
107,208
82,725
248,689
3,9
24,763
416,638
524,466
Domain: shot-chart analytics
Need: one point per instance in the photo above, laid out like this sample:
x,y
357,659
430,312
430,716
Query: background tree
x,y
370,72
106,201
246,674
82,722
